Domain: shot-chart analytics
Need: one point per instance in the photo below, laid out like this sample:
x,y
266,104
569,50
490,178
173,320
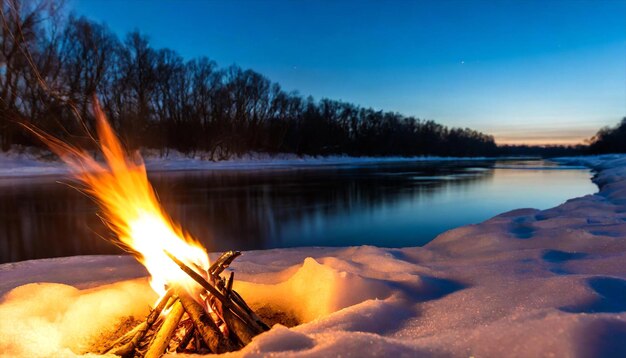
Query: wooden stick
x,y
226,303
229,285
137,333
205,326
223,262
242,331
164,335
239,301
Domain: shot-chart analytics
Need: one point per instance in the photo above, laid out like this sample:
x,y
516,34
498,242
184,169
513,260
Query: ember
x,y
198,311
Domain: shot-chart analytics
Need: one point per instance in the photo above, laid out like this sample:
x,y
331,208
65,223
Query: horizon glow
x,y
528,72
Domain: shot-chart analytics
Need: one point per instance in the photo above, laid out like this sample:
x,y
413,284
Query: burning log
x,y
165,333
224,324
254,322
132,338
242,331
208,330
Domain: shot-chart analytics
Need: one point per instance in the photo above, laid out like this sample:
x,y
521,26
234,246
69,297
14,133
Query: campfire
x,y
197,311
219,321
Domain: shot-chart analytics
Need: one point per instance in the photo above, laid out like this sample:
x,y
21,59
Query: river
x,y
388,205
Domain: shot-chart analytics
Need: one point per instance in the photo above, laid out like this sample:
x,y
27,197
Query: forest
x,y
51,66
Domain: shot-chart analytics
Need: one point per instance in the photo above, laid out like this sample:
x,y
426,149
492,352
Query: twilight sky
x,y
525,71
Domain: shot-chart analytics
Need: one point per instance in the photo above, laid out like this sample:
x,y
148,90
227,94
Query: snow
x,y
525,283
21,162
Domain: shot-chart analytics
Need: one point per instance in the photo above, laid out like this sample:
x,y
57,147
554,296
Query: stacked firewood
x,y
214,319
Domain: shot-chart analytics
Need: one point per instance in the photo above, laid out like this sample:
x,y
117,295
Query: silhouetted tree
x,y
157,99
610,139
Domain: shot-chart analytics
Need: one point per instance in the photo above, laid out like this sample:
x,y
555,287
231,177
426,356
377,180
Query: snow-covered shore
x,y
28,162
526,283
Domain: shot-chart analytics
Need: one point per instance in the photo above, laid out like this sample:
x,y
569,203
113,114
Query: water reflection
x,y
385,205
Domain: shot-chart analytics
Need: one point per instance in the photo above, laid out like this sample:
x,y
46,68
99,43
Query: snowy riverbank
x,y
525,283
24,162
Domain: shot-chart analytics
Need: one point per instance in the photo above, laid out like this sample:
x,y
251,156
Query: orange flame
x,y
130,206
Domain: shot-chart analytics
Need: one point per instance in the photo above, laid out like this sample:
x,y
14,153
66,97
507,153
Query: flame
x,y
130,207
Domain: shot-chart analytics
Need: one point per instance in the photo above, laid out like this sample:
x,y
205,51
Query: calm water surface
x,y
390,205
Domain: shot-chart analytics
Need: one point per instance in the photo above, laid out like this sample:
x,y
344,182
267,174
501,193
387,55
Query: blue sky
x,y
526,71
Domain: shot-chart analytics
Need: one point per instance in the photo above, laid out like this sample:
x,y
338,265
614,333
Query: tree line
x,y
155,98
609,139
50,66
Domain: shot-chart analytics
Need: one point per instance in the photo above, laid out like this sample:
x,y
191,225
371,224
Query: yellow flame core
x,y
130,206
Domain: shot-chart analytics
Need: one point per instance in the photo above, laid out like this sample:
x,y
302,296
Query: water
x,y
390,205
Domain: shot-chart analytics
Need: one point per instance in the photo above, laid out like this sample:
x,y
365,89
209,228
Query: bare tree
x,y
155,98
23,24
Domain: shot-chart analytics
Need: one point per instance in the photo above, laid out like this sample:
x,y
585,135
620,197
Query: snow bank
x,y
525,283
30,162
19,162
46,319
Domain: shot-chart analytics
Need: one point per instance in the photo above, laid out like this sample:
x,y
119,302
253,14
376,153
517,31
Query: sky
x,y
535,72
